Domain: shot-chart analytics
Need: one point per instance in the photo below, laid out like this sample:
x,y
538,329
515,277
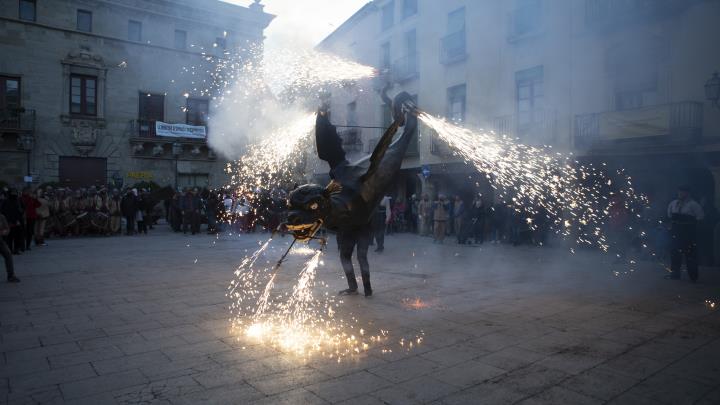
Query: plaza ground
x,y
144,320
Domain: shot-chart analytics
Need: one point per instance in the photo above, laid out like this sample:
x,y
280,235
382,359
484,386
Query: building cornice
x,y
200,54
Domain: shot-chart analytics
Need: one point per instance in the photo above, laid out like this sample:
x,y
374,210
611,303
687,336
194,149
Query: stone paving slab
x,y
144,320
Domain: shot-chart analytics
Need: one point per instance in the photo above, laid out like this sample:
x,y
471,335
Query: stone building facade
x,y
83,82
615,81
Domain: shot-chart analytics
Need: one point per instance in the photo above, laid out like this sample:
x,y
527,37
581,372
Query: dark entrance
x,y
82,171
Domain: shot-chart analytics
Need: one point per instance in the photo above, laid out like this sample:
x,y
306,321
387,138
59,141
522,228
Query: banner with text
x,y
179,130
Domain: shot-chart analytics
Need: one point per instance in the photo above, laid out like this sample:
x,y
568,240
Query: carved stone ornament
x,y
83,136
157,150
85,56
138,148
195,151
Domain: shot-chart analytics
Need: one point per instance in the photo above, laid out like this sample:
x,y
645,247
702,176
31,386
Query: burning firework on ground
x,y
306,321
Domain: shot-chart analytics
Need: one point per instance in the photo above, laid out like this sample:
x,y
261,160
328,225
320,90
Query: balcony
x,y
672,123
405,68
609,12
351,139
538,127
17,120
452,48
147,144
143,128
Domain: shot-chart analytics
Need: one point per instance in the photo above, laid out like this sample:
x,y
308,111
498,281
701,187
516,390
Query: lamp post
x,y
712,90
176,151
25,143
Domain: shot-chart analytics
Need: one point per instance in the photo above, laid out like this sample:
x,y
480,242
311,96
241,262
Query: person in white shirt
x,y
684,214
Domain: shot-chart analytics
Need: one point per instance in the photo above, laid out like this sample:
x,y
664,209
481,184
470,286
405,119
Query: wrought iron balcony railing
x,y
406,68
453,48
667,123
17,119
600,12
536,127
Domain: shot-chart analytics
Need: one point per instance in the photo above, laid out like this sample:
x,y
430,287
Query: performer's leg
x,y
347,244
363,242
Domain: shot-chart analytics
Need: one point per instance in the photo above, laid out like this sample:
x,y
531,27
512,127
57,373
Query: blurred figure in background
x,y
424,215
684,214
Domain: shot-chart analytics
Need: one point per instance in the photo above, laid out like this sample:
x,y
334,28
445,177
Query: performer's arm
x,y
327,141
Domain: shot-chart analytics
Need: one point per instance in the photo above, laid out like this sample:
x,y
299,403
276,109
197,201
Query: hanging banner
x,y
179,130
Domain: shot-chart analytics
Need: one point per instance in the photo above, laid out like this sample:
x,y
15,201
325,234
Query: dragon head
x,y
308,206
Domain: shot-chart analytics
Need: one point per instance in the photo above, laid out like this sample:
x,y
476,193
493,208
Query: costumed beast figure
x,y
348,203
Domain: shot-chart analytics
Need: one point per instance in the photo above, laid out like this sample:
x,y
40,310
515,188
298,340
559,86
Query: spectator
x,y
30,205
458,213
43,213
441,210
12,210
5,251
477,213
425,215
115,212
684,214
128,206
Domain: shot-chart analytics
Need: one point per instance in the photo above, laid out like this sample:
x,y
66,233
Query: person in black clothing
x,y
5,251
128,206
190,206
13,212
140,216
477,213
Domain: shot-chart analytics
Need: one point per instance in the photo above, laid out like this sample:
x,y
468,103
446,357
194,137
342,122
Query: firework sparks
x,y
272,161
304,322
535,182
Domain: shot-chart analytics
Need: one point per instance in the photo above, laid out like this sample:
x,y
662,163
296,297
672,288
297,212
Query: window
x,y
526,19
27,10
180,39
351,117
83,95
529,88
151,109
456,21
197,111
385,55
388,15
407,66
452,45
410,8
84,21
9,93
134,31
191,180
456,103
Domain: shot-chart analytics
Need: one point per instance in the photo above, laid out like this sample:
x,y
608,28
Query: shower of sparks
x,y
415,303
576,200
273,161
304,322
710,304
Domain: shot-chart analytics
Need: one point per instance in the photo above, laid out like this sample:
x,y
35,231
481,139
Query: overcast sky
x,y
304,22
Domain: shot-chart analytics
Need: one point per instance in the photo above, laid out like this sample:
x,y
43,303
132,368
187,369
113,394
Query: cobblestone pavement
x,y
144,320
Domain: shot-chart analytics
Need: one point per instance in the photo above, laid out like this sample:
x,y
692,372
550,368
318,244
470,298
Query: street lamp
x,y
25,143
712,90
177,149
